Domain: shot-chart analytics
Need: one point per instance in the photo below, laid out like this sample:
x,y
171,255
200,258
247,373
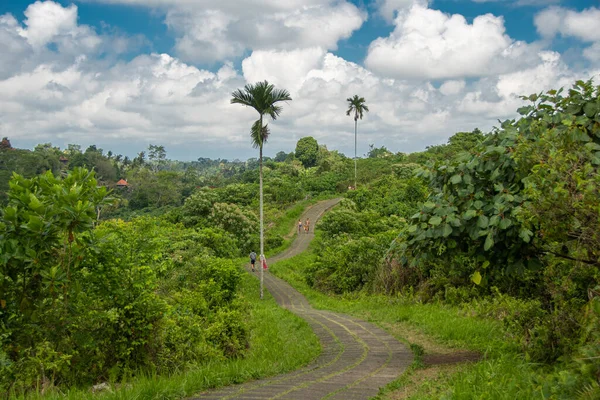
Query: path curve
x,y
357,358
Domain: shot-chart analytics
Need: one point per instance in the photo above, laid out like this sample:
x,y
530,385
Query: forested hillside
x,y
113,268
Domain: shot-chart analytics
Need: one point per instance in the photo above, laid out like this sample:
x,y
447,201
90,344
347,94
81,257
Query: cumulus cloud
x,y
50,34
520,3
209,31
583,25
428,44
388,9
288,69
451,87
592,53
59,96
211,34
49,22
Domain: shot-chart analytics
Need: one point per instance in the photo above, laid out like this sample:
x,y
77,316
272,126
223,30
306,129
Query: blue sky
x,y
150,22
127,73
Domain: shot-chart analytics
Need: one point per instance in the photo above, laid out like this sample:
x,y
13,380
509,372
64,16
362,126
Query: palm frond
x,y
259,136
242,97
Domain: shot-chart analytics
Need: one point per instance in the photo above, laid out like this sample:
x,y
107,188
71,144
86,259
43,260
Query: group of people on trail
x,y
301,226
306,226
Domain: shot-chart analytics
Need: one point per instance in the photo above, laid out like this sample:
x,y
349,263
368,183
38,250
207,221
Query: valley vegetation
x,y
495,229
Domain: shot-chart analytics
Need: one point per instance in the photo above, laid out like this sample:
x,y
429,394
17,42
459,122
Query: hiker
x,y
299,226
252,259
307,226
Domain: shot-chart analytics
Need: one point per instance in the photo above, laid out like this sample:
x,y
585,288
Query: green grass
x,y
503,372
280,342
441,322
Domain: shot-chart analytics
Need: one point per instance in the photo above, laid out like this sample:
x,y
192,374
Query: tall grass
x,y
280,342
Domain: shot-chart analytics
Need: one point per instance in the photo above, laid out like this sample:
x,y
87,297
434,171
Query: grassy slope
x,y
502,373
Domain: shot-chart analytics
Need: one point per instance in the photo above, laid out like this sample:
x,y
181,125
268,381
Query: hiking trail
x,y
357,357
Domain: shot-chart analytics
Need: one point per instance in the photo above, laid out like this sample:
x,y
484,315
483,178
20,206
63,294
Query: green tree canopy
x,y
307,151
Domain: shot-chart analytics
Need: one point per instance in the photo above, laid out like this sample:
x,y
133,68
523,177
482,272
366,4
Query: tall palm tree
x,y
263,97
357,106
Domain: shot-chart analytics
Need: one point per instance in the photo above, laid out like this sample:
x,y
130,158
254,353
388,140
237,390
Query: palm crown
x,y
357,106
263,97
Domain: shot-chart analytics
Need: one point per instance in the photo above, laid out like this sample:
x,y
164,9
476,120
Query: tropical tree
x,y
307,151
263,97
357,106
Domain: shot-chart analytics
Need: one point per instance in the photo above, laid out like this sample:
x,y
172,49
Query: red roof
x,y
122,182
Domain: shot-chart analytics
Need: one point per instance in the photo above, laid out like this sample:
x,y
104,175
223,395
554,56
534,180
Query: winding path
x,y
357,358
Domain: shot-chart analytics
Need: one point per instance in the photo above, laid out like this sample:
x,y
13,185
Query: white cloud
x,y
592,53
287,69
450,88
429,44
49,22
388,9
74,95
210,31
583,25
520,3
212,34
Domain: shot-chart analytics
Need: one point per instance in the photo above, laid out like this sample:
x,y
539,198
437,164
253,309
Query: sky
x,y
123,74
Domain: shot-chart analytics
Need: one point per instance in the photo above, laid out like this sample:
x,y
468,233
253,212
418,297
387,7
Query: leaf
x,y
593,146
483,222
505,223
456,179
524,110
470,214
494,220
489,242
412,228
580,135
476,278
429,205
435,221
447,230
34,203
526,235
590,109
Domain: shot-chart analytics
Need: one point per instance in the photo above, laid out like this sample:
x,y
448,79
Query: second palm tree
x,y
357,106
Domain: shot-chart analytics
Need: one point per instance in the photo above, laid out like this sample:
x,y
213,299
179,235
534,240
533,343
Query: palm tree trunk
x,y
262,243
355,127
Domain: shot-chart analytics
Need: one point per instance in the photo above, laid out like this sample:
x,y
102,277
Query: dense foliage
x,y
507,229
82,304
358,232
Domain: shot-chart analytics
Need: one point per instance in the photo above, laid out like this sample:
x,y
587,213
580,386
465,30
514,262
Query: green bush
x,y
80,304
345,264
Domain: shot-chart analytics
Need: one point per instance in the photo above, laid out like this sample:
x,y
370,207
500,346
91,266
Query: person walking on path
x,y
299,226
252,259
307,226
